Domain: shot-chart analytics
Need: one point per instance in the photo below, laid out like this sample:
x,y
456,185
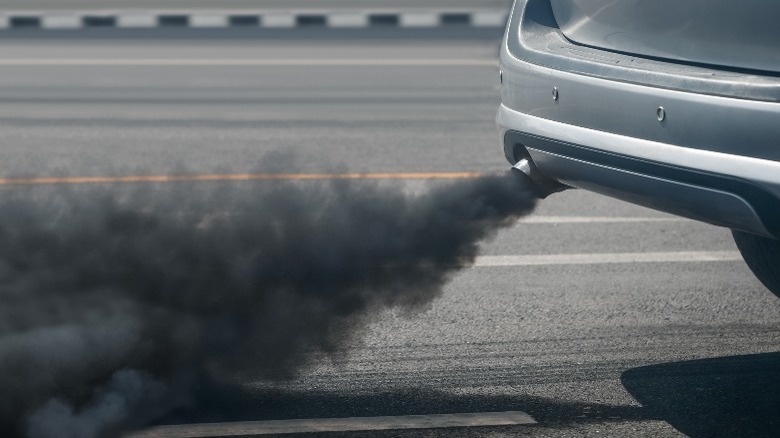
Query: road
x,y
606,347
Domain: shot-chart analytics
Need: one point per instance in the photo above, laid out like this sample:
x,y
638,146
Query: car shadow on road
x,y
736,396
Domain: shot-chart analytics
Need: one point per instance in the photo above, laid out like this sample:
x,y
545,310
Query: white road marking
x,y
489,19
208,20
595,219
279,62
606,258
64,21
136,21
269,19
347,20
353,424
278,20
417,19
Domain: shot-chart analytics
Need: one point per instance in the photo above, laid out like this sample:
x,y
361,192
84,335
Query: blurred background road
x,y
610,345
250,4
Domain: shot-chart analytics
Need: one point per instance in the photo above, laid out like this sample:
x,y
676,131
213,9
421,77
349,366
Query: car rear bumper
x,y
709,152
567,153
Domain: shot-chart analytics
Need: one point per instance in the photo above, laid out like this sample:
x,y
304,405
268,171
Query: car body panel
x,y
739,34
593,116
716,198
700,121
533,36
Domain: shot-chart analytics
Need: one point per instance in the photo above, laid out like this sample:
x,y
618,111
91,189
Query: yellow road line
x,y
233,177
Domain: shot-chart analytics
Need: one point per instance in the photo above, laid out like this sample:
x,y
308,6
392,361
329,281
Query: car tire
x,y
762,255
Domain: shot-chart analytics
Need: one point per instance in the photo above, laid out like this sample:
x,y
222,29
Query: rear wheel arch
x,y
762,255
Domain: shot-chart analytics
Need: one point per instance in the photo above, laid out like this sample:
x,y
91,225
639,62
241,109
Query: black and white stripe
x,y
234,19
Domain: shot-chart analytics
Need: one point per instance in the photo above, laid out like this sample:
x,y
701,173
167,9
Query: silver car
x,y
668,104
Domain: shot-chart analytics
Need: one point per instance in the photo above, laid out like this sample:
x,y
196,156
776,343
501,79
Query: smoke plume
x,y
114,302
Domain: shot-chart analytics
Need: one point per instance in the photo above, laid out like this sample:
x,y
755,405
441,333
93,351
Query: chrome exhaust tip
x,y
540,185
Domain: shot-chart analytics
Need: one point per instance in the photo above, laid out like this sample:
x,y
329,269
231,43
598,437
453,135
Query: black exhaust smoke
x,y
112,306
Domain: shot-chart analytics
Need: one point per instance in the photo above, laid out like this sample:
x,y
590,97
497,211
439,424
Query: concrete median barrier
x,y
484,18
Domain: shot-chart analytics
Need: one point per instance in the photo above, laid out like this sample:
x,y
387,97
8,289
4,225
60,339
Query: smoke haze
x,y
114,302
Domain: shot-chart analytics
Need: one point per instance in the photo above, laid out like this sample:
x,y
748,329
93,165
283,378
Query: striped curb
x,y
235,19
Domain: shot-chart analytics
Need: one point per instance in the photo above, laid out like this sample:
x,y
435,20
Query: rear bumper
x,y
561,152
714,156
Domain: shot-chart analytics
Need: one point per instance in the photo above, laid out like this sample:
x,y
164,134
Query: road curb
x,y
242,19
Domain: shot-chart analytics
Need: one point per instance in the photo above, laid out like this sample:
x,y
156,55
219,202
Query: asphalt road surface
x,y
578,333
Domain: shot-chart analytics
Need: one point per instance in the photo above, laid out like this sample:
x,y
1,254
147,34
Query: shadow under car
x,y
737,396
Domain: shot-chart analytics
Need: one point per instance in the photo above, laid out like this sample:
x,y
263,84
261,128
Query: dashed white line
x,y
61,21
606,258
212,18
347,20
208,20
136,21
278,20
417,19
489,19
354,424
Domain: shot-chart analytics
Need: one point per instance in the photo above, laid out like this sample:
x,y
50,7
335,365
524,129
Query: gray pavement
x,y
627,349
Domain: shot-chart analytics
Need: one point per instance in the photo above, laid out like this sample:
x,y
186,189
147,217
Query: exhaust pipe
x,y
540,185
